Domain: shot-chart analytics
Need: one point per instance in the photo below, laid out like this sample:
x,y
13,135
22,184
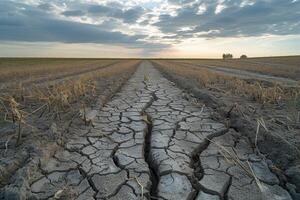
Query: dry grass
x,y
20,103
61,95
13,114
224,86
261,123
231,157
278,66
256,91
284,60
20,69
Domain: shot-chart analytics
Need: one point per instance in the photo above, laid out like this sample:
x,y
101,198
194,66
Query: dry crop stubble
x,y
278,66
261,94
36,100
257,90
20,69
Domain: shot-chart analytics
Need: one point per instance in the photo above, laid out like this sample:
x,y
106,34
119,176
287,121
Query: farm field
x,y
288,67
26,70
150,129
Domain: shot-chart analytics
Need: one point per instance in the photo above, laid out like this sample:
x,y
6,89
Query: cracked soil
x,y
149,142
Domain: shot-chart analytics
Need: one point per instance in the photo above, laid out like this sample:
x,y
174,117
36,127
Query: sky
x,y
149,28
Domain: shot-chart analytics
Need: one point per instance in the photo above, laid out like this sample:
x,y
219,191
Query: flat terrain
x,y
16,71
156,129
23,68
287,67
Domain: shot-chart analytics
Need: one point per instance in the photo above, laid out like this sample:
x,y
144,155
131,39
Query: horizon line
x,y
139,58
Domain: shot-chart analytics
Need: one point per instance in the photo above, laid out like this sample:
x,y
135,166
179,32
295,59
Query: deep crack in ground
x,y
149,142
147,148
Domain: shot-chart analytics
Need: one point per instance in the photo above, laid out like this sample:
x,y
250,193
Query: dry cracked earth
x,y
149,142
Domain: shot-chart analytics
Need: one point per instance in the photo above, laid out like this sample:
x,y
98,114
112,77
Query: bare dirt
x,y
154,139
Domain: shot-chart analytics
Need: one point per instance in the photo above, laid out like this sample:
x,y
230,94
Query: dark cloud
x,y
51,30
145,22
45,6
132,14
114,10
100,9
111,10
27,23
53,22
73,13
263,17
180,2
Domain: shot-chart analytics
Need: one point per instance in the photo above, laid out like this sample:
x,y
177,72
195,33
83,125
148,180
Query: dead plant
x,y
14,114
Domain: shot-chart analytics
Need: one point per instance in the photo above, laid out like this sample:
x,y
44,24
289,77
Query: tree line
x,y
230,56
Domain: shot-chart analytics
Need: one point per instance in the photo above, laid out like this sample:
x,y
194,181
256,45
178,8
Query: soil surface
x,y
48,80
243,74
150,142
47,131
279,142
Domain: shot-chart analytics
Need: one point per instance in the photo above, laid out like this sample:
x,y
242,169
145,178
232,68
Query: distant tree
x,y
227,56
243,57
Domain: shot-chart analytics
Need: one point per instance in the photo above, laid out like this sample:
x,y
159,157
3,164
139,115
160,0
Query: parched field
x,y
150,129
27,70
288,67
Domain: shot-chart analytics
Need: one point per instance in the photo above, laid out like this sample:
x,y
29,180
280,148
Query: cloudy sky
x,y
149,28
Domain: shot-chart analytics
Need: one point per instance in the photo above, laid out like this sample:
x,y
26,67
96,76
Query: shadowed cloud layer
x,y
149,25
233,18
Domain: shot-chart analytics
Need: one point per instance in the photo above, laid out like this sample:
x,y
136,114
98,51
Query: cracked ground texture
x,y
149,142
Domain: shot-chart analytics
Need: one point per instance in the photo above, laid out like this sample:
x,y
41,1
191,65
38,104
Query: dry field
x,y
26,70
260,91
55,85
149,129
55,81
252,107
42,95
52,91
288,67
